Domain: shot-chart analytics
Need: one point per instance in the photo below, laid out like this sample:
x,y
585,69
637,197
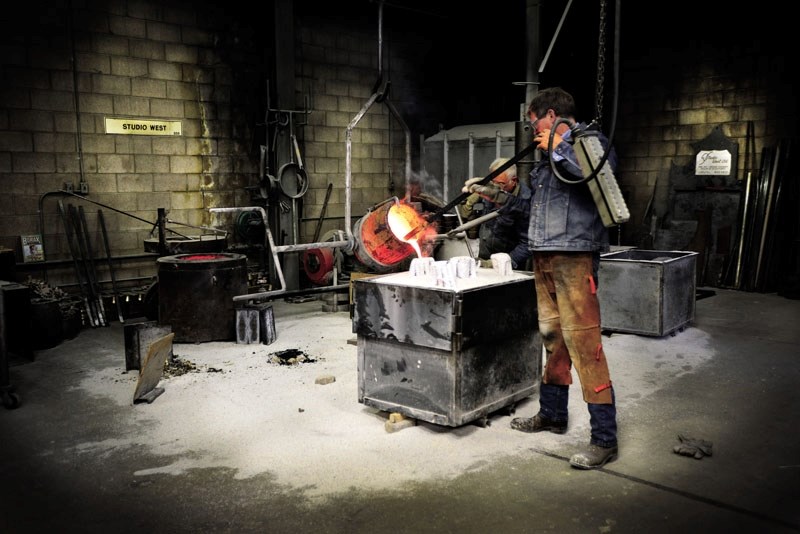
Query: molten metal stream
x,y
403,218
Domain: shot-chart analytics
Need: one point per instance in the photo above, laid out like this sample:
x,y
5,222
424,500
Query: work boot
x,y
593,457
537,423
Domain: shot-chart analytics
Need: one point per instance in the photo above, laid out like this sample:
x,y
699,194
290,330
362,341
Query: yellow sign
x,y
142,127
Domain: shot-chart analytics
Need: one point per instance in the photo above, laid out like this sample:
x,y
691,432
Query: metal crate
x,y
647,292
446,356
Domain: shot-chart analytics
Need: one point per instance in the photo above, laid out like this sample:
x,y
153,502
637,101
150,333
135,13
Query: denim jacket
x,y
564,217
508,232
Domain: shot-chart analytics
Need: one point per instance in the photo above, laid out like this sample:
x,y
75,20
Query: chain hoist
x,y
601,64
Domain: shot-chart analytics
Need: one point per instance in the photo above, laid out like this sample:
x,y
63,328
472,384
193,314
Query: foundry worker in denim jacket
x,y
566,235
508,232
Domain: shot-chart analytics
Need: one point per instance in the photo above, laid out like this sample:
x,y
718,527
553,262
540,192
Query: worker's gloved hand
x,y
486,264
697,448
469,183
491,192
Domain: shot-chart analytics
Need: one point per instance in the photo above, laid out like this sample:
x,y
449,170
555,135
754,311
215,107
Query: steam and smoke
x,y
422,182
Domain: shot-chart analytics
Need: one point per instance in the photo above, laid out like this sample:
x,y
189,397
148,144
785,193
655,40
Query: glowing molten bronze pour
x,y
381,235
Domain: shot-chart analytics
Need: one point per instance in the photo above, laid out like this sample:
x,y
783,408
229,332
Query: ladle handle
x,y
463,196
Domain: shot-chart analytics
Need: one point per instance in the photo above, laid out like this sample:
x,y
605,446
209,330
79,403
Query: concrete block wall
x,y
69,65
338,66
673,98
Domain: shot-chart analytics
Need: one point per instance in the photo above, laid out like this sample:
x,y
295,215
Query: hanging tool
x,y
322,213
267,180
293,167
90,315
300,185
102,222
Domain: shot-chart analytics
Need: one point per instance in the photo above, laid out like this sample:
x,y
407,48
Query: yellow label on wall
x,y
142,127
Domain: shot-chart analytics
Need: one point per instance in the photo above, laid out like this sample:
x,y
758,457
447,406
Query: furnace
x,y
447,352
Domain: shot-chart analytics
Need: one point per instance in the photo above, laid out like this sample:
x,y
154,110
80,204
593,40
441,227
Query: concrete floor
x,y
267,450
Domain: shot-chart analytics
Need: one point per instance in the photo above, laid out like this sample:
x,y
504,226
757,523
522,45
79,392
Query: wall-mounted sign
x,y
713,163
715,160
142,127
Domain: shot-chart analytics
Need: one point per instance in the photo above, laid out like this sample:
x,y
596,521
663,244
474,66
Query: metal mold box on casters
x,y
648,292
446,356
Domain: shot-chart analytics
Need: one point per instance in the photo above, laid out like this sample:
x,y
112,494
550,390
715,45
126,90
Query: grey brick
x,y
52,100
127,26
166,108
180,53
32,162
151,163
186,164
94,103
158,31
170,182
30,120
110,44
112,163
161,70
147,87
70,163
130,67
17,141
61,81
50,142
181,90
93,63
169,146
186,200
108,84
131,105
139,182
147,50
98,143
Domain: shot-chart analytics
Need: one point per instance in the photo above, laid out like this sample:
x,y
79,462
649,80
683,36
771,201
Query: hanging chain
x,y
601,63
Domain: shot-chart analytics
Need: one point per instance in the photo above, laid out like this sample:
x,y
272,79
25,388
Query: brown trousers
x,y
569,321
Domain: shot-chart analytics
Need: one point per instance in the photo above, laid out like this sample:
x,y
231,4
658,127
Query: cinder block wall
x,y
66,69
673,96
208,69
338,66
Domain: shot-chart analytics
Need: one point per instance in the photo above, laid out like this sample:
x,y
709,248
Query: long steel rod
x,y
76,226
72,251
474,222
104,231
90,266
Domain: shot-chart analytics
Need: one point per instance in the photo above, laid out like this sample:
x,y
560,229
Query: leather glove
x,y
469,183
696,448
486,264
491,192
